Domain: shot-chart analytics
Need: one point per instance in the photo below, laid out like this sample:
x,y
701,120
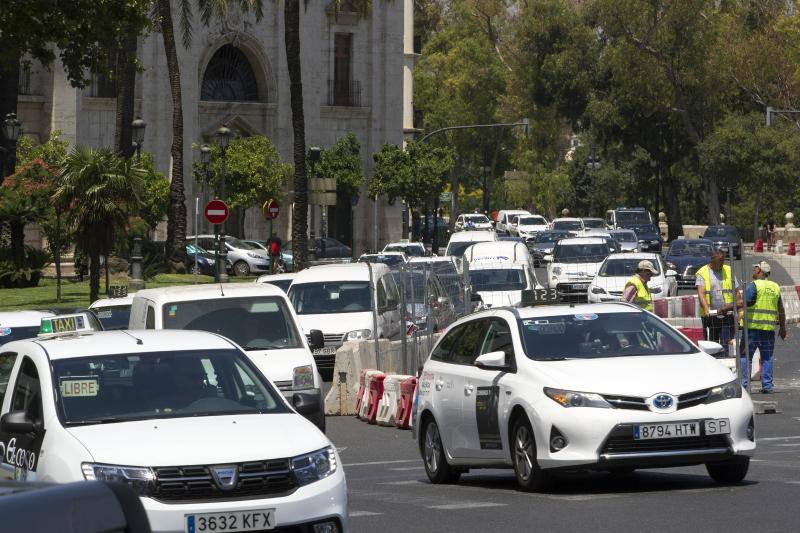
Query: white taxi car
x,y
18,325
594,387
609,283
182,417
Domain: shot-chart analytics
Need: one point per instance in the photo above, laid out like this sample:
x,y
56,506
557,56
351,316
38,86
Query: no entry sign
x,y
271,209
216,211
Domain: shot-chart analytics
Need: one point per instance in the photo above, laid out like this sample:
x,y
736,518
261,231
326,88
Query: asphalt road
x,y
389,491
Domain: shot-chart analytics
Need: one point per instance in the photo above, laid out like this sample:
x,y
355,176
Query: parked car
x,y
617,269
626,238
725,237
686,256
527,226
473,221
206,264
543,243
245,258
323,248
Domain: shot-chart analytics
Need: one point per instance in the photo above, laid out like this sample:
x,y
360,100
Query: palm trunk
x,y
291,15
757,213
18,242
9,94
126,89
94,274
671,205
454,174
56,249
176,209
713,201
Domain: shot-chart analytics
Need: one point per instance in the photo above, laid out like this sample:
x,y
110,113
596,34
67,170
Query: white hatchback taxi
x,y
585,387
184,418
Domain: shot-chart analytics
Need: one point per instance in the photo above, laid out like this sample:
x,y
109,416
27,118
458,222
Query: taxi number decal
x,y
4,332
487,414
79,387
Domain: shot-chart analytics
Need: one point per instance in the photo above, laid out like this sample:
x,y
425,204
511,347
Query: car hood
x,y
336,323
279,365
200,440
637,376
683,261
581,270
533,227
617,283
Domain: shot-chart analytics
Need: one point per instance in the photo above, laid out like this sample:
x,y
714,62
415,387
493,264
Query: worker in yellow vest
x,y
636,290
716,288
764,313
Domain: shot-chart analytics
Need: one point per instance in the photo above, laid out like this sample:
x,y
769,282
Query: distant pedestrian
x,y
715,286
274,248
636,290
770,233
764,312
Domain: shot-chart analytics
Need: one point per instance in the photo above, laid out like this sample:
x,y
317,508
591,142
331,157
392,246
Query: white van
x,y
506,219
256,316
462,240
344,301
500,271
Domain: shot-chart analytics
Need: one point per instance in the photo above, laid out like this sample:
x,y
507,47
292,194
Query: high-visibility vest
x,y
727,285
764,313
643,297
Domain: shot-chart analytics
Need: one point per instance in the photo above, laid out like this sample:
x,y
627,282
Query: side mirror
x,y
17,422
711,348
305,404
491,361
548,258
317,340
671,273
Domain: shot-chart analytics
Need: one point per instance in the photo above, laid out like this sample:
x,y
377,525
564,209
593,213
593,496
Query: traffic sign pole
x,y
216,212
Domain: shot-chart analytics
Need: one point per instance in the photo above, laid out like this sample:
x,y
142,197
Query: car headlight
x,y
567,398
303,377
655,290
556,271
359,335
314,466
254,256
598,290
726,391
140,480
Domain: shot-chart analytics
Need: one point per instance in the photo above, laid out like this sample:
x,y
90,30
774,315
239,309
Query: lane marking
x,y
374,463
465,505
778,438
405,468
358,514
406,482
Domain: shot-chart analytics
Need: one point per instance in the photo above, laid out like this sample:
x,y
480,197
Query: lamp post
x,y
12,129
137,282
223,135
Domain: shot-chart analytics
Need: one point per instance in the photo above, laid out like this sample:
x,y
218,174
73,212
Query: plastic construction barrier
x,y
688,306
661,308
375,384
362,379
694,334
759,246
363,410
405,403
387,407
792,249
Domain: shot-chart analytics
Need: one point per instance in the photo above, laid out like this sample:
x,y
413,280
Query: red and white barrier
x,y
403,418
364,406
387,407
362,380
375,391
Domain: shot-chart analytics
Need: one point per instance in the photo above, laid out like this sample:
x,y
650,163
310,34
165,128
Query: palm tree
x,y
101,189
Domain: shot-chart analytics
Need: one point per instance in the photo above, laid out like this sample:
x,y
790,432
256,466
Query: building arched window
x,y
229,77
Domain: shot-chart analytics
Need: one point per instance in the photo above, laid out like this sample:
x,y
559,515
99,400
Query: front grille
x,y
615,293
256,479
283,385
621,441
331,338
626,402
690,399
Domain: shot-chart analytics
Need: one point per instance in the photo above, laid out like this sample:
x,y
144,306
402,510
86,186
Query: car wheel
x,y
731,471
436,466
241,268
523,455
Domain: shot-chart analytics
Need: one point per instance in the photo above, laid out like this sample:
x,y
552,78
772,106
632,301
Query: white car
x,y
411,249
578,387
257,317
246,258
473,221
462,240
500,271
617,269
573,225
506,218
394,260
113,313
283,281
594,226
528,226
184,418
573,265
17,325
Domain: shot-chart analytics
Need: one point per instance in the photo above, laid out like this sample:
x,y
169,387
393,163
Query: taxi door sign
x,y
21,451
487,413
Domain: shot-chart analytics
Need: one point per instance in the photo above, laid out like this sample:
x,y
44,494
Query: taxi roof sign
x,y
68,324
534,297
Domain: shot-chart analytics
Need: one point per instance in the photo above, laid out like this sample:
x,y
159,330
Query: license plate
x,y
720,426
328,350
671,430
255,520
580,286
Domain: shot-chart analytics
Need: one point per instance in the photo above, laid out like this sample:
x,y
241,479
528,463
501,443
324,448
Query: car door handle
x,y
439,385
468,388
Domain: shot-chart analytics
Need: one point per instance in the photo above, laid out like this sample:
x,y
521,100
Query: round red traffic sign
x,y
216,211
271,209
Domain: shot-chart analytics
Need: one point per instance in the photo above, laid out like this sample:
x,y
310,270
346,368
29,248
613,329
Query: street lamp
x,y
223,135
12,129
138,126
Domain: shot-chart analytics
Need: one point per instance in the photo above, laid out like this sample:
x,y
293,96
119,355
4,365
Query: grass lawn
x,y
76,294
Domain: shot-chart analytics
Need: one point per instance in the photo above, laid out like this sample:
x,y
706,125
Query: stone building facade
x,y
356,73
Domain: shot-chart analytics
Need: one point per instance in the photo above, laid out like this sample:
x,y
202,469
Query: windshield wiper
x,y
553,358
268,347
107,420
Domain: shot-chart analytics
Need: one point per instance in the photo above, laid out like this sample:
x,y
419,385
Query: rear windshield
x,y
477,219
624,236
568,225
17,333
594,223
113,317
241,245
690,248
457,249
331,297
254,322
622,268
633,217
551,237
497,279
721,231
282,284
580,253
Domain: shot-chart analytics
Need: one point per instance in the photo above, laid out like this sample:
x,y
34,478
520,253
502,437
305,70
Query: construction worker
x,y
764,312
636,290
715,286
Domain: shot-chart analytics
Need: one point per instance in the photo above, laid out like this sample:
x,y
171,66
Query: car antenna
x,y
137,339
222,292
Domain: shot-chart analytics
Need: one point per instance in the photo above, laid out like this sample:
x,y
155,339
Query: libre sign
x,y
216,211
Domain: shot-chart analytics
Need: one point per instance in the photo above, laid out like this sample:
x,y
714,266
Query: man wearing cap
x,y
636,290
764,312
715,286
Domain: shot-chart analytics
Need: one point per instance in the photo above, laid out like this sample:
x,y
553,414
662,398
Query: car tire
x,y
530,477
434,457
241,268
730,471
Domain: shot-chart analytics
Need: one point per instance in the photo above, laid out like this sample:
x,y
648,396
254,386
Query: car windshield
x,y
113,316
551,237
457,249
191,249
252,322
594,223
592,336
531,221
282,284
410,250
629,218
121,388
477,219
580,253
391,260
241,245
497,279
568,225
331,297
622,268
16,333
690,248
624,236
512,219
721,231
